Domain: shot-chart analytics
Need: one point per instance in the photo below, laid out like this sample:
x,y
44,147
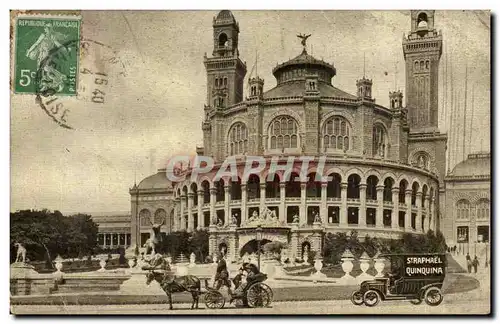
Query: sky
x,y
156,90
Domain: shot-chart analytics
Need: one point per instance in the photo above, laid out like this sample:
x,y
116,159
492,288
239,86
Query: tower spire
x,y
465,111
364,64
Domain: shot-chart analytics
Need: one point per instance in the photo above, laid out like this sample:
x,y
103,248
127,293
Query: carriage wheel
x,y
257,296
357,298
268,290
433,296
371,298
214,299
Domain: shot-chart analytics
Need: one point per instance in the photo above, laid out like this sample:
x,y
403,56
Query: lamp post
x,y
486,262
258,237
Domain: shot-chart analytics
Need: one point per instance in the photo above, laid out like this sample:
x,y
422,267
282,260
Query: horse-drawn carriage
x,y
255,294
415,277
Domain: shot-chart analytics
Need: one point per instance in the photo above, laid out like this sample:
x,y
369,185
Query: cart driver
x,y
252,272
396,272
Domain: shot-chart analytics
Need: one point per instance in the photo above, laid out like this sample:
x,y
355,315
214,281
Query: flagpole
x,y
471,120
465,113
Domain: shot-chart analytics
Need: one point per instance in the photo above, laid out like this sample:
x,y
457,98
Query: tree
x,y
176,243
47,234
198,244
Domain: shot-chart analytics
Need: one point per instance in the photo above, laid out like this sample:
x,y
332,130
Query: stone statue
x,y
219,222
234,220
295,219
255,216
303,38
21,253
317,219
192,258
272,215
156,239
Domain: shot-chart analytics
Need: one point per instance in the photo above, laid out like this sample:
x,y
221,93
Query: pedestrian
x,y
475,263
469,263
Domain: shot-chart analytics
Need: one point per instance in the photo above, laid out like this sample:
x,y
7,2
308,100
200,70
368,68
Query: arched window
x,y
160,216
336,134
238,139
422,20
222,40
463,208
483,209
379,141
283,133
145,217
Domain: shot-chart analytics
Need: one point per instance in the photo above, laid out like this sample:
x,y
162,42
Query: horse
x,y
175,284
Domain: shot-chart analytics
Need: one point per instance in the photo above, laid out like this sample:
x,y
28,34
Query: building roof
x,y
156,181
476,164
297,88
304,59
225,17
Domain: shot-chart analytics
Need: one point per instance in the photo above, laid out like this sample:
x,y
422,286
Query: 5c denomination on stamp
x,y
37,39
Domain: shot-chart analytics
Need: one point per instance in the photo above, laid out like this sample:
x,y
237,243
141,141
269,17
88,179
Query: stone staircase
x,y
79,285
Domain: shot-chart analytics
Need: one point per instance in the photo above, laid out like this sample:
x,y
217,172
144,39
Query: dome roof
x,y
304,60
296,88
477,164
156,181
225,16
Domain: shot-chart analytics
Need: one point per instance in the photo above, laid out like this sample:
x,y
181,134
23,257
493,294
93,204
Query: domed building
x,y
385,164
468,201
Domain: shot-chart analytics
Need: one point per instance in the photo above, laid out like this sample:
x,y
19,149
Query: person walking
x,y
469,263
475,263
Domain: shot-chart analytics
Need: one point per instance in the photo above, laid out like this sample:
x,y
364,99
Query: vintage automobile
x,y
413,277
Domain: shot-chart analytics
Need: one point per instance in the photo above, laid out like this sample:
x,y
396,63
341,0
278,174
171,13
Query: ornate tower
x,y
256,87
364,86
396,99
422,52
225,70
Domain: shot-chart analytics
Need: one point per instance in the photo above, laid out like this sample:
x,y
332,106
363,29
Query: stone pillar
x,y
408,210
395,208
418,220
227,212
243,203
199,206
362,208
323,212
190,212
432,219
262,204
213,214
105,235
343,204
212,239
183,209
379,217
176,225
134,221
303,202
427,214
282,213
294,242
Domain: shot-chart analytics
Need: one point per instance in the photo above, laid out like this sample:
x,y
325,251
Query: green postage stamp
x,y
46,55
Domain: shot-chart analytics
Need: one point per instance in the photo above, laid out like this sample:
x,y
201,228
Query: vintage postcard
x,y
250,162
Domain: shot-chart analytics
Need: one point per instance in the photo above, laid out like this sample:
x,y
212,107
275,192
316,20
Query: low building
x,y
468,190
